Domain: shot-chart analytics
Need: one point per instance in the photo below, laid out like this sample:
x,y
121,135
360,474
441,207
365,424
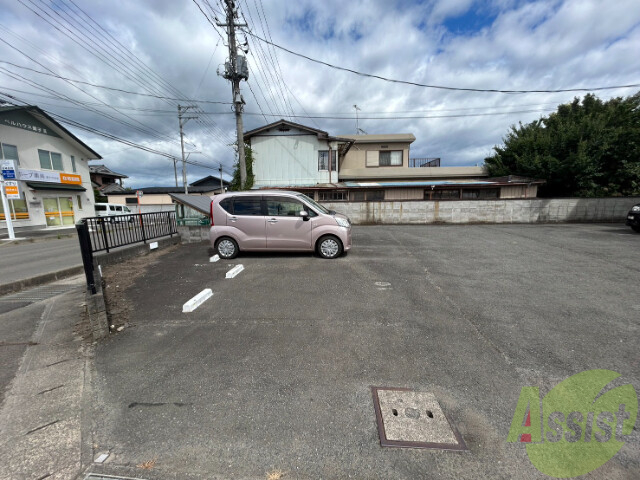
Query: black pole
x,y
87,254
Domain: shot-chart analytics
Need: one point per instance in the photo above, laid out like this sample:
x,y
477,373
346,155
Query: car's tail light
x,y
211,213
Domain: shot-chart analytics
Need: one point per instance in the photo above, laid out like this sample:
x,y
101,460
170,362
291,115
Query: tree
x,y
235,181
584,149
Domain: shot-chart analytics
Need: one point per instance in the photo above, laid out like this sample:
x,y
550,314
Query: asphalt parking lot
x,y
272,374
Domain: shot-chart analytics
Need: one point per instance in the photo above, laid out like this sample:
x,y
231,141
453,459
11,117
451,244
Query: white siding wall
x,y
28,144
288,159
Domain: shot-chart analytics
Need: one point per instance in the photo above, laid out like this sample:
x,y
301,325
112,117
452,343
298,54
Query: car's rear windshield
x,y
313,203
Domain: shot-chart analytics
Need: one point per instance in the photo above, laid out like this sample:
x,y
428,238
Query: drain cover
x,y
413,420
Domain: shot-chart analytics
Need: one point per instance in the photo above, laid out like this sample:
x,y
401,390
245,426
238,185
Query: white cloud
x,y
546,44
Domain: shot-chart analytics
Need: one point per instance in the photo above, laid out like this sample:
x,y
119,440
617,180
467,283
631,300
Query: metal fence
x,y
424,162
97,234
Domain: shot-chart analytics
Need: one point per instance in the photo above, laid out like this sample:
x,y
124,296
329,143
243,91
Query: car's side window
x,y
284,207
247,206
227,205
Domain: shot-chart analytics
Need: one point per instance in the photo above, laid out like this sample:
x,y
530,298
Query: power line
x,y
441,87
113,88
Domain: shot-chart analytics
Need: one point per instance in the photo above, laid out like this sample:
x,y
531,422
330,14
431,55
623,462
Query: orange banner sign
x,y
71,179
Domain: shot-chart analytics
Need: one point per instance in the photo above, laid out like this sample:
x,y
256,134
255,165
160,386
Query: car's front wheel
x,y
227,248
636,228
329,247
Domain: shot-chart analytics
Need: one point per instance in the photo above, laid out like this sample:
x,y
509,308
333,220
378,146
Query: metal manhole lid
x,y
413,420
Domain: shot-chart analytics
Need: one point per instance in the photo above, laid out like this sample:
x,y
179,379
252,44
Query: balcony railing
x,y
424,162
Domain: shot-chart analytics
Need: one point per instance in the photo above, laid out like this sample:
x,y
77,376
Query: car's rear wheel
x,y
329,246
636,228
227,248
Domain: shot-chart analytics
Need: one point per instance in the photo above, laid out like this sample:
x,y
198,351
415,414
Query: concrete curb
x,y
18,285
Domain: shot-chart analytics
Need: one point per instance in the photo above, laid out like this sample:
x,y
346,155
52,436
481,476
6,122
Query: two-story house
x,y
288,154
366,168
51,166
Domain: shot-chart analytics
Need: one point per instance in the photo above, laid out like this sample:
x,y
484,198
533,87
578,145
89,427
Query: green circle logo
x,y
579,426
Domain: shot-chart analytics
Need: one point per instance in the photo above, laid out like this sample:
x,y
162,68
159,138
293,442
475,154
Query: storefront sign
x,y
8,169
70,179
50,177
22,119
11,190
39,175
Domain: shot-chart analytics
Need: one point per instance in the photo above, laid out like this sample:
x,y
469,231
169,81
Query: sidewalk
x,y
40,234
42,415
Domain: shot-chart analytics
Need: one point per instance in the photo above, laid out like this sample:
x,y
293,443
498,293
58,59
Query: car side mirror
x,y
304,214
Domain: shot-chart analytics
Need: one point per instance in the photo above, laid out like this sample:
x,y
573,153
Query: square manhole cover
x,y
413,420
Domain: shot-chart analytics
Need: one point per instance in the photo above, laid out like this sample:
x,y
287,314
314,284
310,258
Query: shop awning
x,y
55,186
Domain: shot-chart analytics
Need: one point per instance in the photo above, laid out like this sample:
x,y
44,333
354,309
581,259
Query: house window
x,y
391,158
480,193
50,160
367,195
9,152
79,202
323,160
333,195
73,164
444,194
131,200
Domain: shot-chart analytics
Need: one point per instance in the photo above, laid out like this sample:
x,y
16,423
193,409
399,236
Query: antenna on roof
x,y
357,128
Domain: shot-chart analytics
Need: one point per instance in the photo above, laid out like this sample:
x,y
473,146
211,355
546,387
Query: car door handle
x,y
232,219
273,220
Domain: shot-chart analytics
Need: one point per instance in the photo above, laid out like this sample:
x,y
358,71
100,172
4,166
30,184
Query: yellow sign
x,y
70,179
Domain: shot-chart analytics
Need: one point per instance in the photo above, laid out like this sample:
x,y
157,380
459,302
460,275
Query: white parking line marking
x,y
215,258
101,458
235,271
198,300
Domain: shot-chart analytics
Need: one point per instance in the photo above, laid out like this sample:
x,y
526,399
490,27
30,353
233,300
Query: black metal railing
x,y
97,234
424,162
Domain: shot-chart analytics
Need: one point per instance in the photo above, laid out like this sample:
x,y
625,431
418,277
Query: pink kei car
x,y
276,220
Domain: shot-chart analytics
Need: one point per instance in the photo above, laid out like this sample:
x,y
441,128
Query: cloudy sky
x,y
157,51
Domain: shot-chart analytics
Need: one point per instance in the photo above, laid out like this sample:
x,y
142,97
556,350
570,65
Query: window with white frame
x,y
9,152
73,164
326,158
50,160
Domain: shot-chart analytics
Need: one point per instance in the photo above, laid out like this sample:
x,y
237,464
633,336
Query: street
x,y
23,260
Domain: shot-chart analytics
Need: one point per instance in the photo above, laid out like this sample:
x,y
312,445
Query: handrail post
x,y
104,233
144,236
87,254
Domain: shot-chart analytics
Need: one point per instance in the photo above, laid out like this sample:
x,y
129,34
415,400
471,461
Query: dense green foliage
x,y
235,181
584,149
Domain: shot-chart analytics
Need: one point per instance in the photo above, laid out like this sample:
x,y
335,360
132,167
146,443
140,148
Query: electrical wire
x,y
441,87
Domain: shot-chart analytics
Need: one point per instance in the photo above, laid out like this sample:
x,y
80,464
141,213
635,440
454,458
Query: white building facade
x,y
51,170
287,154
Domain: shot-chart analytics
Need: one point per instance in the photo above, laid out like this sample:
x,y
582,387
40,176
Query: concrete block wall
x,y
534,210
193,234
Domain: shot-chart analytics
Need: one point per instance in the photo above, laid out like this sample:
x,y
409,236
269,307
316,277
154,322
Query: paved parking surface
x,y
273,373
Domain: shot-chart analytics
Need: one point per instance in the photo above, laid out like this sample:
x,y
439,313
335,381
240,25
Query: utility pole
x,y
357,129
235,70
175,170
221,185
182,120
